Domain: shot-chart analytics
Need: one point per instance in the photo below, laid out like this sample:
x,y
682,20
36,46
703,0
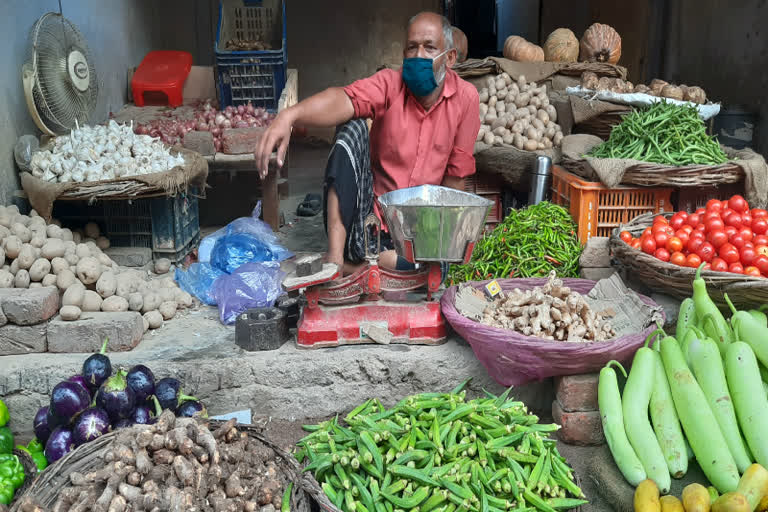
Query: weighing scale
x,y
429,225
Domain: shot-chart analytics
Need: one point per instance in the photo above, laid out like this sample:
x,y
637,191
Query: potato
x,y
21,231
551,112
135,301
488,139
91,230
71,257
167,309
91,301
59,264
14,266
531,145
154,319
183,299
26,256
484,95
500,108
114,303
696,498
501,94
83,251
66,235
146,323
20,219
22,279
731,502
547,143
88,270
538,124
106,284
6,279
70,246
151,302
497,140
5,220
103,243
53,231
39,269
69,313
558,139
73,295
104,260
32,286
53,249
49,280
481,133
12,245
37,242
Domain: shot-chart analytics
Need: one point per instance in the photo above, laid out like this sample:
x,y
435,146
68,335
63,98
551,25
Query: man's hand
x,y
453,182
277,136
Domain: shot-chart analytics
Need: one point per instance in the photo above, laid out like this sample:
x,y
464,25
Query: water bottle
x,y
541,178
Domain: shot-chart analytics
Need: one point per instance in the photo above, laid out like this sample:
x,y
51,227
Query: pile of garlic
x,y
101,153
517,113
34,254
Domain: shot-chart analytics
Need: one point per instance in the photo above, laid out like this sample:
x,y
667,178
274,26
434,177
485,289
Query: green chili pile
x,y
663,133
529,243
434,452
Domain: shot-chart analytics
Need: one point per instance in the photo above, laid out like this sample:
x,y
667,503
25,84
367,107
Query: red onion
x,y
241,109
217,144
236,118
228,115
226,124
249,108
202,127
216,131
241,124
229,109
219,119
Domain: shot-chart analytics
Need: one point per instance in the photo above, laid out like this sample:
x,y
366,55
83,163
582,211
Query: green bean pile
x,y
433,452
663,133
529,243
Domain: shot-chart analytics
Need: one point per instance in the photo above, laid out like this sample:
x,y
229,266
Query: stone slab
x,y
596,253
130,256
29,306
123,330
579,428
577,393
22,339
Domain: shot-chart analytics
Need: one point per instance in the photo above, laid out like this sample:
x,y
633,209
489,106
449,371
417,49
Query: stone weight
x,y
261,329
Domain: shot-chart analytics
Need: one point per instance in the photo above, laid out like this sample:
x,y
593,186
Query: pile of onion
x,y
206,119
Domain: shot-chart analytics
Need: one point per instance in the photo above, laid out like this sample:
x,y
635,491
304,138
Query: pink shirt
x,y
411,146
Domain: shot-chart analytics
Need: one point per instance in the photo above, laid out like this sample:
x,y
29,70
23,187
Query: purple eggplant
x,y
191,408
124,423
40,424
68,399
60,443
97,368
142,381
91,424
142,415
79,379
169,394
115,397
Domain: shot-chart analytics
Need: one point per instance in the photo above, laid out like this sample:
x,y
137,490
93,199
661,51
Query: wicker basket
x,y
30,472
601,125
88,457
744,291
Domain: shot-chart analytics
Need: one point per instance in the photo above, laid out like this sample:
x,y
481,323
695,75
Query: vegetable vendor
x,y
425,122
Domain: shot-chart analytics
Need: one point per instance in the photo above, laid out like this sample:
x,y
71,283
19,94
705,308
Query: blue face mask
x,y
419,76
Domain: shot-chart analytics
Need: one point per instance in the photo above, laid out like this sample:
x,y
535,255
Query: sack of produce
x,y
539,328
253,285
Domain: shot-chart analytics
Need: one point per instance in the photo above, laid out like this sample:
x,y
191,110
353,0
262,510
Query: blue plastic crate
x,y
170,226
257,77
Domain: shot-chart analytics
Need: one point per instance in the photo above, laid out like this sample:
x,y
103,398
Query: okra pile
x,y
434,452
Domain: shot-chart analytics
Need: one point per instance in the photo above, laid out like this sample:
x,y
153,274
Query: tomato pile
x,y
726,235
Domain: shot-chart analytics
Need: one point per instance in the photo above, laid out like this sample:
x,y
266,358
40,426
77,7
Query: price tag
x,y
492,289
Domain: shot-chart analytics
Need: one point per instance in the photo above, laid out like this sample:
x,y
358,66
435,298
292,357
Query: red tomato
x,y
688,229
662,254
717,238
761,262
737,240
693,220
760,240
674,244
625,236
746,218
694,244
747,255
762,249
684,236
700,227
746,233
647,231
738,203
714,224
719,265
677,258
658,228
736,268
660,219
714,205
676,222
752,271
733,219
707,266
700,211
759,225
726,212
759,213
724,204
711,215
693,261
648,244
730,231
635,243
706,252
661,239
729,253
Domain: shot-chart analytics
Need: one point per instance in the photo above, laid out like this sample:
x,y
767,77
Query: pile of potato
x,y
517,113
34,254
657,87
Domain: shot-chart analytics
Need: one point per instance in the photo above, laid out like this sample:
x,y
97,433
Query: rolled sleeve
x,y
369,95
461,162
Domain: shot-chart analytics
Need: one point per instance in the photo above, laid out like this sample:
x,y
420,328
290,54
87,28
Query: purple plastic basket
x,y
513,359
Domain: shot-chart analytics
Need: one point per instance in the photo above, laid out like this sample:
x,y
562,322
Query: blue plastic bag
x,y
253,285
198,280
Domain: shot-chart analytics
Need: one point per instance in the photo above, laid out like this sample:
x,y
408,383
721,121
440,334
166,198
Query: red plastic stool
x,y
161,71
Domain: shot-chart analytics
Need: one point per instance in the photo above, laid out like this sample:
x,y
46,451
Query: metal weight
x,y
261,329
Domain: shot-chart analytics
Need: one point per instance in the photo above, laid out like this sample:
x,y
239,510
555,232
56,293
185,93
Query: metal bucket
x,y
431,223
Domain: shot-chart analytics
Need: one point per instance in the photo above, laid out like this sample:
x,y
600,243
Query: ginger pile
x,y
551,312
177,464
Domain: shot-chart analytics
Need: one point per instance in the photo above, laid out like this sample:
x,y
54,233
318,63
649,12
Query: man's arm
x,y
453,182
328,108
461,162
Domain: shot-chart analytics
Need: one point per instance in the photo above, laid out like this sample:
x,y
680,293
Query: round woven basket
x,y
88,457
601,125
30,472
744,291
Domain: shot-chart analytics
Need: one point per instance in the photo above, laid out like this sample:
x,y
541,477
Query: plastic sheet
x,y
198,280
513,359
253,285
26,146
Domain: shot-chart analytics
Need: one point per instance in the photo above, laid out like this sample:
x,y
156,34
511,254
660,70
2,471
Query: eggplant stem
x,y
158,408
613,362
730,304
186,398
104,346
698,270
654,333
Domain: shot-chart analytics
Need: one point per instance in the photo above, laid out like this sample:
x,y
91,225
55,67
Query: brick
x,y
596,274
22,339
124,331
580,428
596,253
130,256
201,142
577,393
240,141
29,306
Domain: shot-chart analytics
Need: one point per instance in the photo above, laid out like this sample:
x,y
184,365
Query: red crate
x,y
690,198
